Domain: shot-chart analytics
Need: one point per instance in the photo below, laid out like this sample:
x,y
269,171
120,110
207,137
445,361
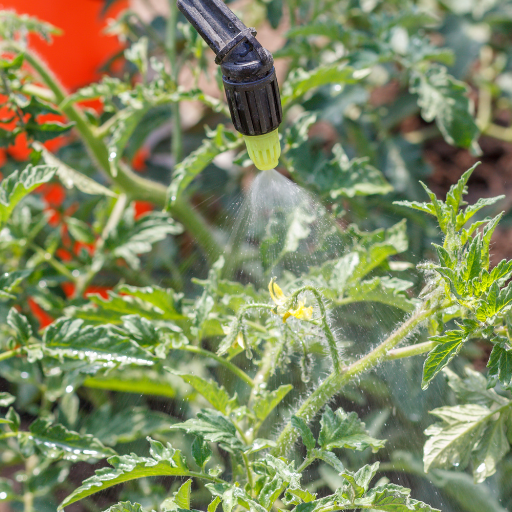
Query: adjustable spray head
x,y
248,74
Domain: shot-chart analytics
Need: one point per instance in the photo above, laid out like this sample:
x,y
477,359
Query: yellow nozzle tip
x,y
264,150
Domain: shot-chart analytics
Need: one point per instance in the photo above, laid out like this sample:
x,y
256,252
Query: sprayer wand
x,y
248,74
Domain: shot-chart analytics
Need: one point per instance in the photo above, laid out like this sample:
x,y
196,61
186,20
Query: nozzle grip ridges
x,y
255,107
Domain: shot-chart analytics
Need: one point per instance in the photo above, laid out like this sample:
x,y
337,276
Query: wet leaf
x,y
55,441
345,430
215,394
214,427
164,461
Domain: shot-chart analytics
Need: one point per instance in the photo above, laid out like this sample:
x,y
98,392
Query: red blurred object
x,y
139,160
142,207
77,54
68,289
54,217
102,291
78,246
63,254
53,194
42,316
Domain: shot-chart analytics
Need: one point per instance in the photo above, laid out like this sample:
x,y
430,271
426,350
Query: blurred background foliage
x,y
377,95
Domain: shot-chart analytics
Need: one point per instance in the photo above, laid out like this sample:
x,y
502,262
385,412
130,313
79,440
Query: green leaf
x,y
491,449
266,402
71,178
277,475
496,302
500,365
386,290
217,396
134,380
358,481
450,443
449,346
43,132
11,24
125,506
304,432
68,338
56,441
113,309
472,388
445,100
212,507
392,498
342,430
214,427
10,280
119,425
179,499
15,63
219,141
13,418
300,81
6,399
166,301
349,178
80,230
17,185
20,326
164,461
132,237
201,452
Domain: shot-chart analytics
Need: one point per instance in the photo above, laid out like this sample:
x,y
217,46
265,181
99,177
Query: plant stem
x,y
56,264
135,186
9,354
177,135
7,435
224,362
28,497
115,217
334,382
331,341
248,471
413,350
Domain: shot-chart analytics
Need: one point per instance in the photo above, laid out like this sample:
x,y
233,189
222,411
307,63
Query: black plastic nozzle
x,y
248,70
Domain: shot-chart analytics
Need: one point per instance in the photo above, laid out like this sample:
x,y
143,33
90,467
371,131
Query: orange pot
x,y
77,54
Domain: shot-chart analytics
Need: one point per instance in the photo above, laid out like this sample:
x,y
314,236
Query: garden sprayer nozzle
x,y
264,150
248,73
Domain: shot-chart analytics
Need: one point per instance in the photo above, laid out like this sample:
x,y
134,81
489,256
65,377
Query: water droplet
x,y
69,389
75,273
112,156
3,495
24,375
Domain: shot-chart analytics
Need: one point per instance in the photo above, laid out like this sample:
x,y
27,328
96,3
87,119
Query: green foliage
x,y
164,461
15,187
116,327
444,99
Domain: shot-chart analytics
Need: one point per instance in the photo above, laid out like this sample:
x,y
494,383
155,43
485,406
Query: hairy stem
x,y
331,341
335,381
413,350
135,186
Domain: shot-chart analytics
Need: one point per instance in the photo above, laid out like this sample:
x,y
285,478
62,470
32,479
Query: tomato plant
x,y
152,360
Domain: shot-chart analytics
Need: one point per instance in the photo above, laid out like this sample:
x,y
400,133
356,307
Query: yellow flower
x,y
280,300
